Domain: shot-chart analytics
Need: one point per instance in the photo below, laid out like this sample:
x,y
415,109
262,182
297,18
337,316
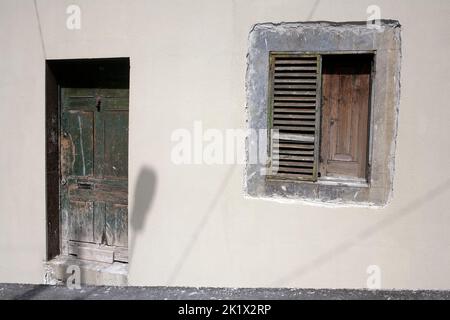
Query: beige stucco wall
x,y
188,62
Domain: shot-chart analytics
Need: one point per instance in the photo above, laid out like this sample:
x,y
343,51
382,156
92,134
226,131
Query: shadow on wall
x,y
144,193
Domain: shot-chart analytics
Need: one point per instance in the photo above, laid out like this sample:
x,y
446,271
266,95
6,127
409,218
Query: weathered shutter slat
x,y
293,110
294,86
299,75
294,98
294,116
294,68
285,147
283,98
294,122
295,80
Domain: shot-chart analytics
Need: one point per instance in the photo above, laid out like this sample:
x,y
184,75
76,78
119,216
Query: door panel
x,y
99,222
115,144
78,142
80,221
116,225
94,172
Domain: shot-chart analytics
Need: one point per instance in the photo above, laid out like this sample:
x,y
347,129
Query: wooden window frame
x,y
353,182
327,37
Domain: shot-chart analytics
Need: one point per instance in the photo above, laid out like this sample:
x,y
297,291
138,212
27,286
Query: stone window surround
x,y
317,37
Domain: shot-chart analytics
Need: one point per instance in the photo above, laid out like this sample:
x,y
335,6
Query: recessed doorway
x,y
87,103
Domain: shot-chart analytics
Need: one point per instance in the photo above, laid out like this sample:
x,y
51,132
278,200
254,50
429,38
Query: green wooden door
x,y
94,173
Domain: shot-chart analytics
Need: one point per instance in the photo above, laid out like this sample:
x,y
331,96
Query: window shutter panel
x,y
294,115
345,116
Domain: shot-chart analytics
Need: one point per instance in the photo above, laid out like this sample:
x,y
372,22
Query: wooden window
x,y
319,116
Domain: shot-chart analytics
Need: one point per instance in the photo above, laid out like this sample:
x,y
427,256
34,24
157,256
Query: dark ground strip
x,y
44,292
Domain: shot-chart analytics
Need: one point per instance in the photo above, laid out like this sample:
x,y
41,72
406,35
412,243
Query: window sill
x,y
327,181
332,181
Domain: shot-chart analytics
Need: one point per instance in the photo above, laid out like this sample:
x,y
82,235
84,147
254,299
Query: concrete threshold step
x,y
59,269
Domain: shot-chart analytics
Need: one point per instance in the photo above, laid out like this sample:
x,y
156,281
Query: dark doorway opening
x,y
87,158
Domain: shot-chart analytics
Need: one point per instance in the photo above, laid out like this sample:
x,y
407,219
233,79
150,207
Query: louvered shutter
x,y
294,104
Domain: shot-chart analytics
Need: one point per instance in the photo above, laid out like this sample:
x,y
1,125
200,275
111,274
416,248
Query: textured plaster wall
x,y
188,62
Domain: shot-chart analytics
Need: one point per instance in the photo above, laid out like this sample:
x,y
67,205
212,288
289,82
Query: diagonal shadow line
x,y
313,10
366,233
183,258
36,11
